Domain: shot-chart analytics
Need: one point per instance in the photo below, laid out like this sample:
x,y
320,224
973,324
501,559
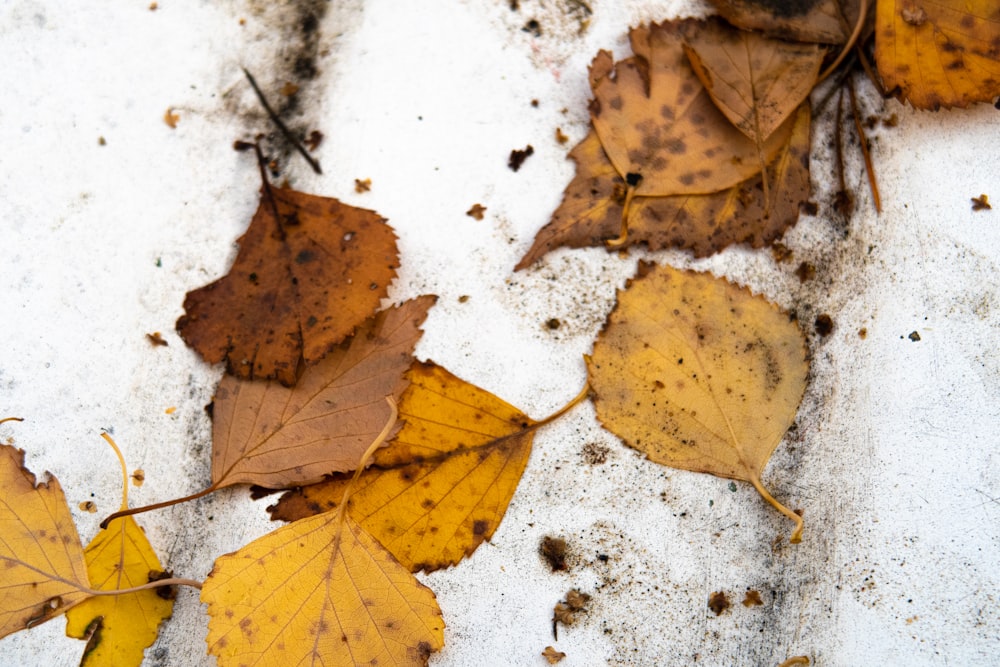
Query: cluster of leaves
x,y
390,465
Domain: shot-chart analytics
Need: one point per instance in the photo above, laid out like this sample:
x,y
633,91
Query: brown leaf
x,y
309,271
591,209
442,486
937,54
755,81
552,656
801,20
699,374
659,126
275,436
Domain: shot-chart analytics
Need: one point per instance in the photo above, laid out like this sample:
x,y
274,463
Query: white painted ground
x,y
895,459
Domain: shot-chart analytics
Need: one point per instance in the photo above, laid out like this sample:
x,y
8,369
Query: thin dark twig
x,y
281,125
869,167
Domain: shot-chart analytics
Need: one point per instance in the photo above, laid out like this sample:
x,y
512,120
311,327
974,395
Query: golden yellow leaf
x,y
119,628
443,485
699,374
659,126
41,557
591,209
319,592
939,53
276,436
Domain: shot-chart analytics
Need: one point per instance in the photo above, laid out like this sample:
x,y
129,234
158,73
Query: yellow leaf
x,y
319,592
443,485
699,374
120,627
41,557
940,53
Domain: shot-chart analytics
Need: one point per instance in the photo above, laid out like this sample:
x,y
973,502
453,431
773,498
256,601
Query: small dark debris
x,y
595,454
553,323
165,592
553,550
805,272
533,27
914,336
718,602
863,333
517,157
809,207
314,139
101,141
534,103
752,599
824,325
362,186
560,137
476,212
156,339
781,252
464,298
981,203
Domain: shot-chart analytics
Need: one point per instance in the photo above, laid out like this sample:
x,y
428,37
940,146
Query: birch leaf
x,y
42,560
441,488
699,374
319,592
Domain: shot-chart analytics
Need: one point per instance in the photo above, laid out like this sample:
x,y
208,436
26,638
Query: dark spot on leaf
x,y
480,527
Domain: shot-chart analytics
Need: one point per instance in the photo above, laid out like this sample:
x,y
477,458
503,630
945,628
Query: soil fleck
x,y
517,157
595,454
914,336
553,550
824,325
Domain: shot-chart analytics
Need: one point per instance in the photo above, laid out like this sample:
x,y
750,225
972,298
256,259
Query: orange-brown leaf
x,y
940,53
309,271
275,436
41,558
443,485
658,124
591,209
699,374
755,81
319,592
800,20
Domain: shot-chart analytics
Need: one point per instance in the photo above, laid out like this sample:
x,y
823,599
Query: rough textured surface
x,y
894,446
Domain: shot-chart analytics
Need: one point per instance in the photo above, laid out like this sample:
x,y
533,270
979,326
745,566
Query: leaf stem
x,y
155,506
765,494
381,438
623,234
566,408
863,140
862,15
173,581
11,419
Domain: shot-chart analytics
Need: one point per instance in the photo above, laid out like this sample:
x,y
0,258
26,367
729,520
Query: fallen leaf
x,y
362,186
699,374
119,627
591,210
319,592
275,436
309,271
659,126
944,53
801,21
156,339
757,82
44,571
442,486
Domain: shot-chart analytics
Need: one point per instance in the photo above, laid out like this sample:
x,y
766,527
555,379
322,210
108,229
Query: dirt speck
x,y
517,157
553,550
595,454
824,325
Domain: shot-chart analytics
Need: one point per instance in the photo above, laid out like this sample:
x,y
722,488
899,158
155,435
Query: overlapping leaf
x,y
659,126
275,436
940,53
318,592
757,82
119,628
443,485
309,271
591,209
42,560
822,21
699,374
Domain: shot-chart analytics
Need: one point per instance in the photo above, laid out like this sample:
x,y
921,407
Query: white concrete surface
x,y
895,458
